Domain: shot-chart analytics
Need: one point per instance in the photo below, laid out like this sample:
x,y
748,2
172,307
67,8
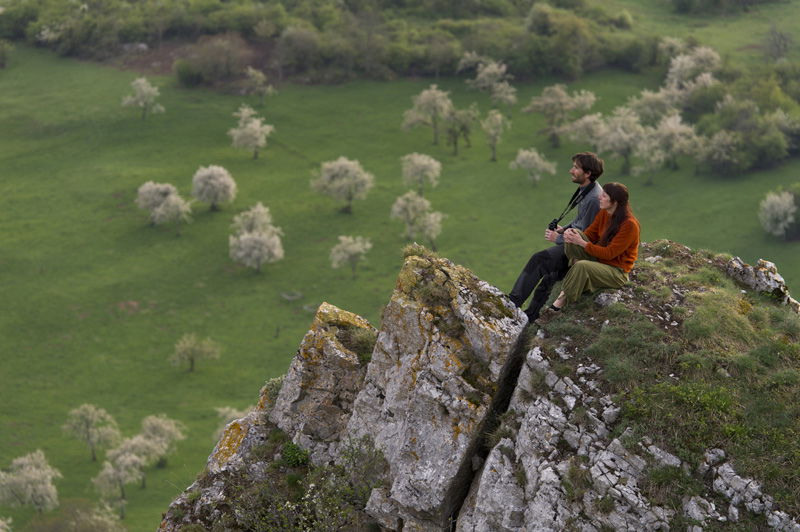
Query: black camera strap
x,y
577,197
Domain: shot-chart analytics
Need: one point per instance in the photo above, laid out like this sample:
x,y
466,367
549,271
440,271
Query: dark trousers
x,y
540,274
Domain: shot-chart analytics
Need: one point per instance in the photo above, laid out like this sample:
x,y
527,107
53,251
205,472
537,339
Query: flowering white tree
x,y
164,430
251,132
587,129
720,151
684,68
150,195
256,219
492,77
533,163
174,209
409,209
191,349
557,106
661,145
350,250
430,106
126,468
5,524
620,135
257,84
419,169
429,225
99,519
777,212
256,248
144,96
343,180
29,482
93,426
652,106
148,449
213,184
493,125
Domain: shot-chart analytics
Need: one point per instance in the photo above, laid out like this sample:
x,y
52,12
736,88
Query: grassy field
x,y
94,299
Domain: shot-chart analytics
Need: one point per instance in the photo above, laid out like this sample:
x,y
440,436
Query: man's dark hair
x,y
589,162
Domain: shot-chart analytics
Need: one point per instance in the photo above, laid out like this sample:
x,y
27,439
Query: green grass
x,y
75,251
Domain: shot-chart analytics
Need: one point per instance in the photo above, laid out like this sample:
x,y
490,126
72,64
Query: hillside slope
x,y
636,409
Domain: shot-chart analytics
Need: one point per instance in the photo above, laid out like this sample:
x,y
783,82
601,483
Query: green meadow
x,y
94,298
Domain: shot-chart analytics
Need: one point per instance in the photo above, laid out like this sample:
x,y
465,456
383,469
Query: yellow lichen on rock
x,y
329,315
229,442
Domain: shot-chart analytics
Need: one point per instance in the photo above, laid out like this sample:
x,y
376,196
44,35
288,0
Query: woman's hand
x,y
572,236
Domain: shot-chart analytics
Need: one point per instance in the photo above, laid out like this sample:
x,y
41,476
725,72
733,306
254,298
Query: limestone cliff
x,y
464,419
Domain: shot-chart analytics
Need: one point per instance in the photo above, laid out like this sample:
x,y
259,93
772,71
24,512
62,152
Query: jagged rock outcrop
x,y
316,399
477,430
763,277
444,343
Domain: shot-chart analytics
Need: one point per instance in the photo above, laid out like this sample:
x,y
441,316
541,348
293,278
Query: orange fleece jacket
x,y
623,248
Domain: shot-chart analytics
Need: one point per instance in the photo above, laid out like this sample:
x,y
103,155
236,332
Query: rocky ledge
x,y
474,422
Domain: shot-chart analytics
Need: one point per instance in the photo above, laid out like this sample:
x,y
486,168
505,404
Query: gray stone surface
x,y
315,401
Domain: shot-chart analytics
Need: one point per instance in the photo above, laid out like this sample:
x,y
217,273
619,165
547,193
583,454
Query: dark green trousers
x,y
586,274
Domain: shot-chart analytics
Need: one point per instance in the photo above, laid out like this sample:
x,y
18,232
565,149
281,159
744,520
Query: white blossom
x,y
493,125
144,96
29,482
174,209
343,180
777,212
419,169
254,249
429,107
213,184
93,426
409,209
256,219
533,163
251,132
190,348
350,250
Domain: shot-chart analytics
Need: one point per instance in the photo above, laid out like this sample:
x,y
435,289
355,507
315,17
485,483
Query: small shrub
x,y
576,481
360,340
294,455
604,505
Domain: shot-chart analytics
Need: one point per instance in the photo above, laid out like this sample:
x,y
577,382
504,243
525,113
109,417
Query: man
x,y
550,265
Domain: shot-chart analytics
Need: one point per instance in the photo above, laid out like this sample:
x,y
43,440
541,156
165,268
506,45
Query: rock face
x,y
445,341
764,277
477,429
316,400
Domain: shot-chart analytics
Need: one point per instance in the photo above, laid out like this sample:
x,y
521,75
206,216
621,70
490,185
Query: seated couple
x,y
596,250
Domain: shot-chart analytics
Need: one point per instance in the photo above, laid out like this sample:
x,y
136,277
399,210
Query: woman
x,y
604,254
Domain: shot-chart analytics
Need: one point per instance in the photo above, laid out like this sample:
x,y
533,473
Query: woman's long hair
x,y
619,194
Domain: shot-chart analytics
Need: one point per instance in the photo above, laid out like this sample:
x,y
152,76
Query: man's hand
x,y
550,235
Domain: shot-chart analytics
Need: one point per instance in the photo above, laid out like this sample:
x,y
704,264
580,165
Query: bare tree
x,y
251,132
533,163
458,124
214,185
557,106
191,349
350,250
419,169
93,426
430,106
493,125
29,482
144,96
343,180
777,212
